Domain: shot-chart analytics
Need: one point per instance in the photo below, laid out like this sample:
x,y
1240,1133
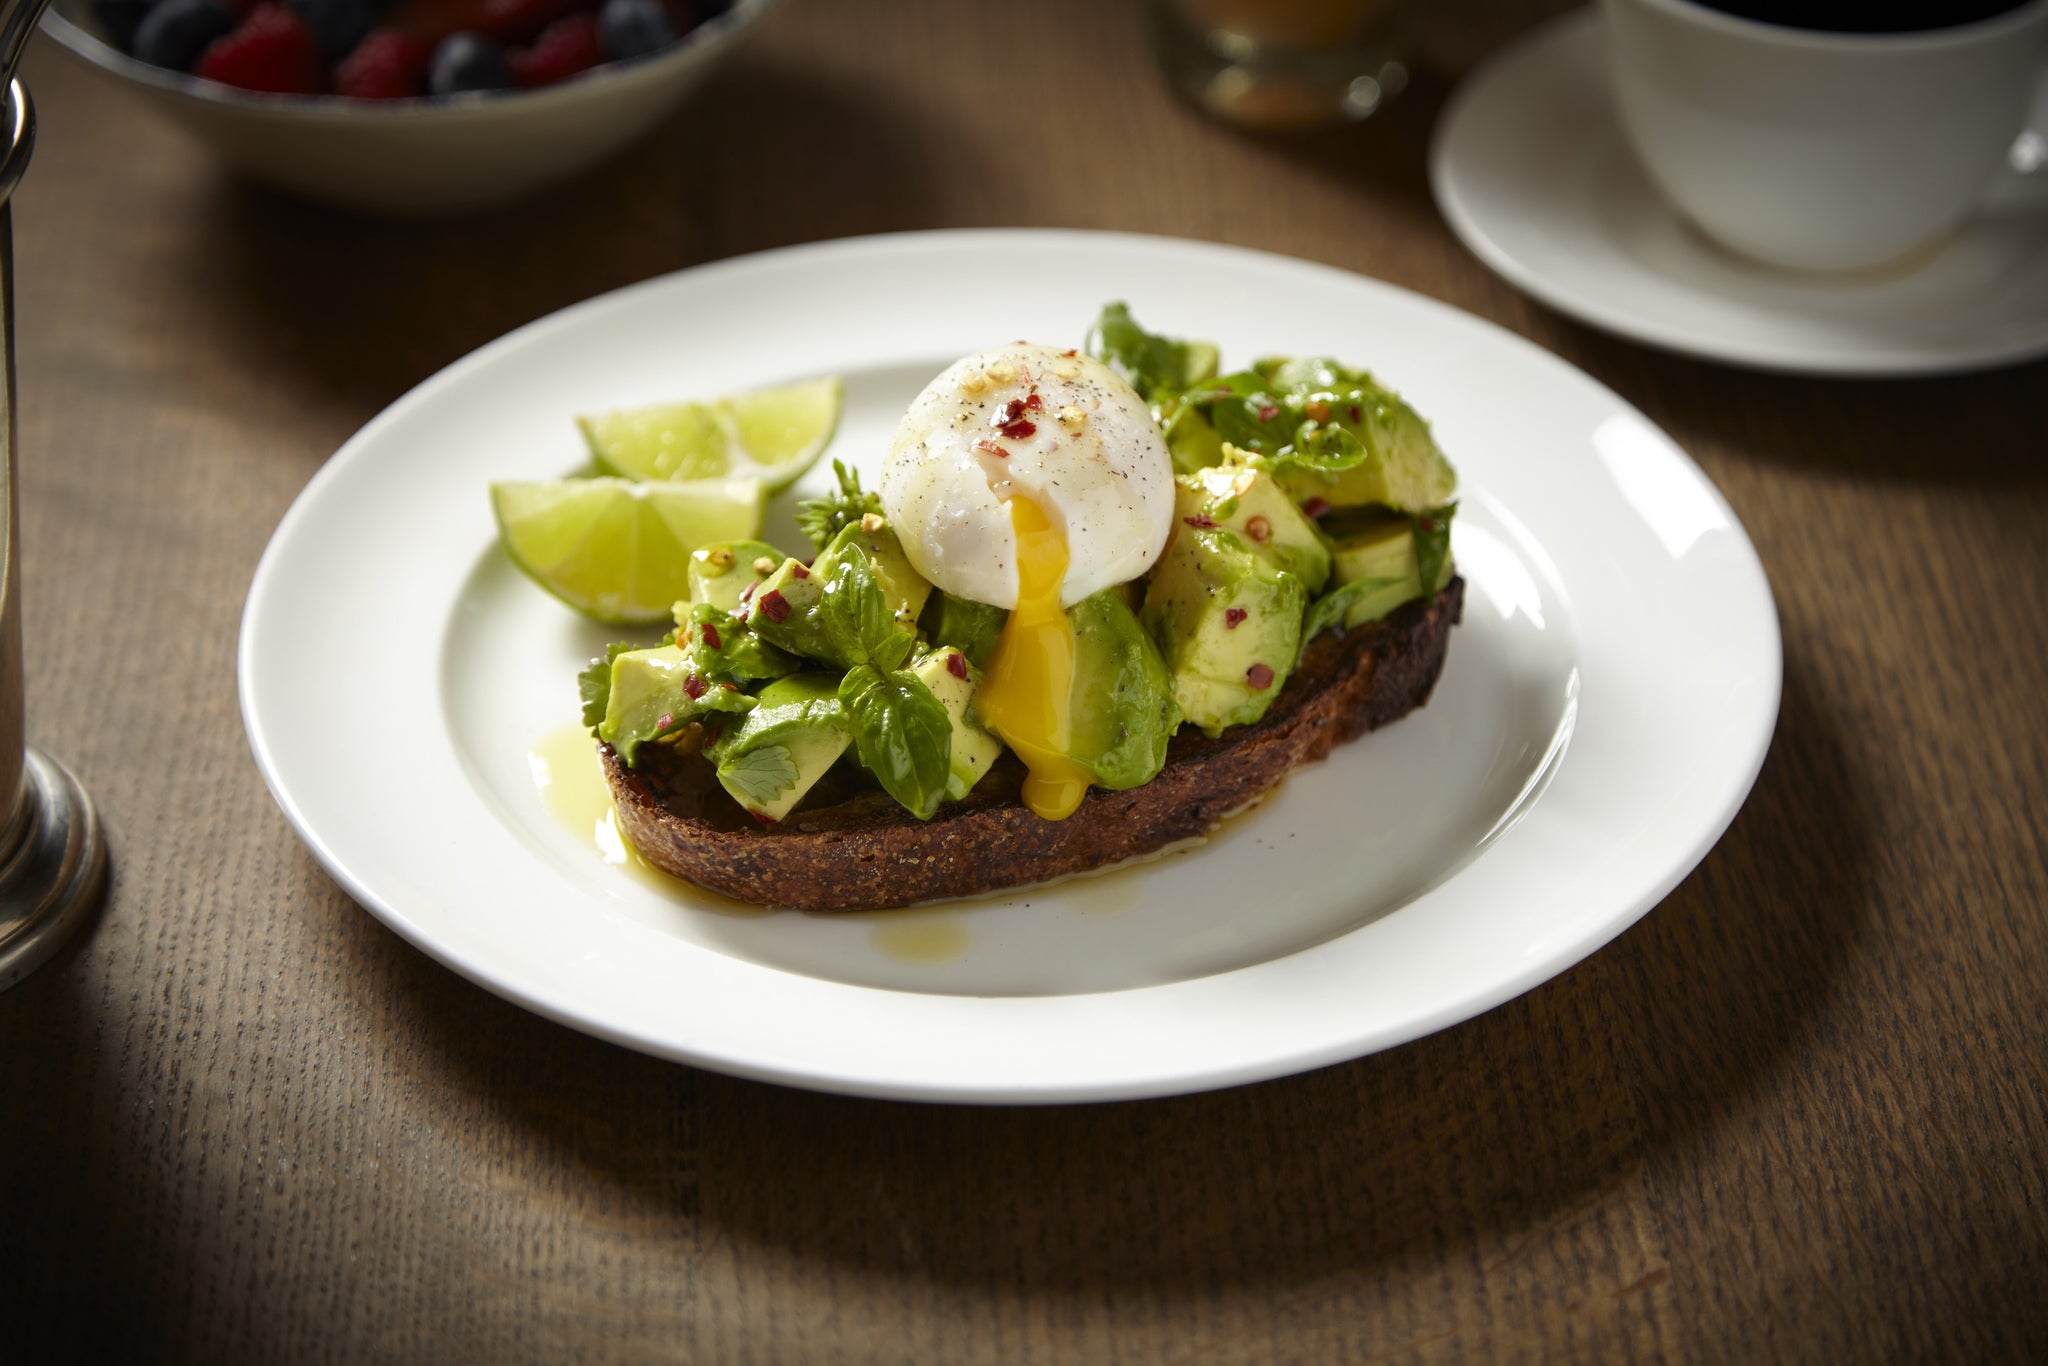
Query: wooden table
x,y
1798,1113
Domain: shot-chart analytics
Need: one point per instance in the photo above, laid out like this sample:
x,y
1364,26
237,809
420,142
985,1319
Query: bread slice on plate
x,y
857,850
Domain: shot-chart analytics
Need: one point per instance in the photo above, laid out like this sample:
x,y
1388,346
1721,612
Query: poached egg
x,y
1030,478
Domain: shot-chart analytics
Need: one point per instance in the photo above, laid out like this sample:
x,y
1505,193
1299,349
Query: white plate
x,y
1530,167
1605,706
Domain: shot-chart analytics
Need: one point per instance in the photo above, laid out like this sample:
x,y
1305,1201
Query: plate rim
x,y
1341,1045
1586,25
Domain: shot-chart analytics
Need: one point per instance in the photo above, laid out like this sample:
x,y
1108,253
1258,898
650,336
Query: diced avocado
x,y
720,573
655,693
1121,709
794,734
1228,622
970,627
1190,439
948,673
1403,468
728,648
1380,561
1247,500
858,591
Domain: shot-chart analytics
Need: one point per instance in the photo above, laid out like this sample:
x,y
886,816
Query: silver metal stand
x,y
53,860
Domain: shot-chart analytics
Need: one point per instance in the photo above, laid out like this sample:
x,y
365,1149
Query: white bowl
x,y
420,157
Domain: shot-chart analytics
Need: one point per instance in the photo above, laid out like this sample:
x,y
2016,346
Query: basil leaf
x,y
854,610
1433,546
823,518
902,734
1149,362
764,772
972,628
1332,607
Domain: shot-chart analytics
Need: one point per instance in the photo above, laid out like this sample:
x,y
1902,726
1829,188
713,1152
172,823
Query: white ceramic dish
x,y
426,156
1530,167
1604,710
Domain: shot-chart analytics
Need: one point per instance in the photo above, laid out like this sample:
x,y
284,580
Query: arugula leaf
x,y
1433,546
594,682
823,518
972,628
1149,362
903,734
1332,607
764,772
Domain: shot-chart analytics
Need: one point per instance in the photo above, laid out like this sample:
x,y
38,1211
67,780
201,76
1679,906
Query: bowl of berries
x,y
410,107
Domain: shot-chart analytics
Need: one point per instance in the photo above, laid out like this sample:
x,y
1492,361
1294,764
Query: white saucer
x,y
1531,169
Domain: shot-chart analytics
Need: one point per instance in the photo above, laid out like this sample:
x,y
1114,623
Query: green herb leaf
x,y
1332,607
1149,362
823,518
902,734
854,609
764,772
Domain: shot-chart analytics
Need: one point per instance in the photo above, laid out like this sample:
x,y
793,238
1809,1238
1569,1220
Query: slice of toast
x,y
865,852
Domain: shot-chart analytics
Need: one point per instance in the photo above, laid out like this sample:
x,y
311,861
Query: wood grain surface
x,y
1798,1113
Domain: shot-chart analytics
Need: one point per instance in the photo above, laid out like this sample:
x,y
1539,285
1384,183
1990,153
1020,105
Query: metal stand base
x,y
52,880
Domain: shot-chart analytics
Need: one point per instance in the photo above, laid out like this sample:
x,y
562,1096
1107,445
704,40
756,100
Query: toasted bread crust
x,y
868,853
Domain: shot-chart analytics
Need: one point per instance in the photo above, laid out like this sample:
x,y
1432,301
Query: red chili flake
x,y
1316,507
956,664
774,606
1070,353
1019,429
1011,411
984,444
1033,402
1429,524
1267,412
1356,416
1232,616
797,571
693,686
1319,410
668,718
1260,676
730,687
747,593
1221,391
1259,529
710,633
1201,521
763,817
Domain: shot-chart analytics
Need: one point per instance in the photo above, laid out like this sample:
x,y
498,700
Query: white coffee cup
x,y
1820,150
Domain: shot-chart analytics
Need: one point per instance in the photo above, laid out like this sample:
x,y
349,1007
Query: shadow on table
x,y
1455,1145
360,309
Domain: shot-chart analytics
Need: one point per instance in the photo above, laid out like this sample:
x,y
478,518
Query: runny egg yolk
x,y
1024,697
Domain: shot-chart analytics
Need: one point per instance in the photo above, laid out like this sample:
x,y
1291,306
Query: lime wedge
x,y
617,549
773,435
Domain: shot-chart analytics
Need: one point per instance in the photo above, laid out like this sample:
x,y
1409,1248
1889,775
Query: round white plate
x,y
1604,709
1530,167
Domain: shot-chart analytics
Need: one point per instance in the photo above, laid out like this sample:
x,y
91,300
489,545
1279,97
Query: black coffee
x,y
1864,16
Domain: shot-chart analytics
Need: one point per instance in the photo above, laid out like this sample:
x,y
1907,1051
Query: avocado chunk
x,y
791,737
1228,622
969,627
657,693
719,574
1403,468
1121,709
1247,500
950,675
1382,560
837,610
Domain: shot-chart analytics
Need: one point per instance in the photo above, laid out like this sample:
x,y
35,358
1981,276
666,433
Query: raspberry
x,y
567,47
386,65
273,51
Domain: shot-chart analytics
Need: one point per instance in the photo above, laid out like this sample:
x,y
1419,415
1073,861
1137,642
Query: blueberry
x,y
632,28
467,61
174,33
118,19
338,25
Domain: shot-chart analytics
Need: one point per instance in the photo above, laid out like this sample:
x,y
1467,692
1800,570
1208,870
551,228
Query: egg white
x,y
1102,473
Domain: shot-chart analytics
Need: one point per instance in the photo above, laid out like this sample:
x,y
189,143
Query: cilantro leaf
x,y
1149,362
764,772
594,682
